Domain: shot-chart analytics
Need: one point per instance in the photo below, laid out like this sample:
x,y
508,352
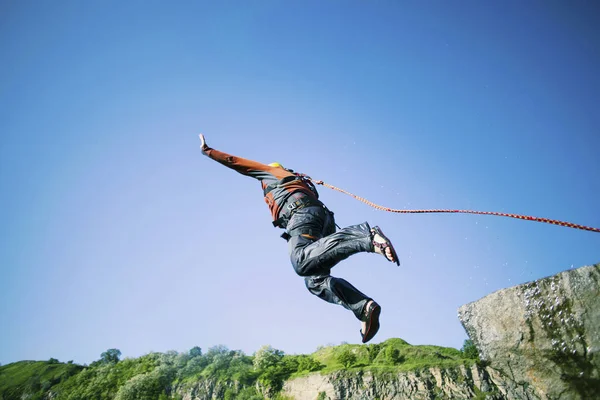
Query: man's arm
x,y
242,165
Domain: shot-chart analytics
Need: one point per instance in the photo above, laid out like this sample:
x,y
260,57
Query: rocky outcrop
x,y
432,383
543,336
202,389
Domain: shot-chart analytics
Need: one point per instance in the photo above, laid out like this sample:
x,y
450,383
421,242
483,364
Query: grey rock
x,y
542,336
428,384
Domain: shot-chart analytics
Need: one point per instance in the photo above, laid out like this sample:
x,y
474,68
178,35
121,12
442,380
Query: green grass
x,y
410,357
33,377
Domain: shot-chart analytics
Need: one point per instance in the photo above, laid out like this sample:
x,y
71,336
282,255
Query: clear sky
x,y
117,233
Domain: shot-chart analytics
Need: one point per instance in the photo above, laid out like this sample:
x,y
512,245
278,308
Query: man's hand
x,y
203,145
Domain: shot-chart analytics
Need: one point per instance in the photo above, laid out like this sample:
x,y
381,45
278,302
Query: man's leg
x,y
338,291
315,247
316,257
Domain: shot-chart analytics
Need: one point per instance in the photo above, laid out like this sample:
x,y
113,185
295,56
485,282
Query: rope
x,y
527,218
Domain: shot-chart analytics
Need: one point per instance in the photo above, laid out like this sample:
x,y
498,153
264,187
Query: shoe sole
x,y
390,245
372,324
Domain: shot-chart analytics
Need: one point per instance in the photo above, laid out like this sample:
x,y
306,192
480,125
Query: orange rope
x,y
546,220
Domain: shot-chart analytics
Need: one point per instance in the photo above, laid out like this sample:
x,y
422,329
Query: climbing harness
x,y
528,218
292,207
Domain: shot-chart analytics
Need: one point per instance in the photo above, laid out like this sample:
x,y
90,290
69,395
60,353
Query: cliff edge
x,y
543,336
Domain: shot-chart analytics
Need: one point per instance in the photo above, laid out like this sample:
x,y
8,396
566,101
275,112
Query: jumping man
x,y
314,244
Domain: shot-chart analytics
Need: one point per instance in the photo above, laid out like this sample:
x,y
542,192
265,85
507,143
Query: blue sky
x,y
117,233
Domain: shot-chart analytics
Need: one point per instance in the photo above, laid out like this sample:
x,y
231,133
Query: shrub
x,y
392,355
266,357
195,352
110,356
347,358
373,350
469,350
307,363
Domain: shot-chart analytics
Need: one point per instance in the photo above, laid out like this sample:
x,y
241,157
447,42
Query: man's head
x,y
278,165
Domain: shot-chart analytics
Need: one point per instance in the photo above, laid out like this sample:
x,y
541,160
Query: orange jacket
x,y
282,183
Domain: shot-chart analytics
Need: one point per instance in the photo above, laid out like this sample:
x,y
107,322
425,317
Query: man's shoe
x,y
371,318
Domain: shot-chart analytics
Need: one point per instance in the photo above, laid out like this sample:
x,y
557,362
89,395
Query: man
x,y
310,229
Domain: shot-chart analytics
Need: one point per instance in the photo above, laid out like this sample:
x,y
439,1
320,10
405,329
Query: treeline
x,y
219,372
230,374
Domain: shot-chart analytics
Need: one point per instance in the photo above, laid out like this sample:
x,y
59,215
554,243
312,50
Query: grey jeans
x,y
314,258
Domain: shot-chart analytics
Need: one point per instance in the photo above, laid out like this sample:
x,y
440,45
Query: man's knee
x,y
306,267
298,262
316,285
303,264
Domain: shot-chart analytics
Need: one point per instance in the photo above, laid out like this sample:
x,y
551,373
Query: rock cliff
x,y
433,383
543,335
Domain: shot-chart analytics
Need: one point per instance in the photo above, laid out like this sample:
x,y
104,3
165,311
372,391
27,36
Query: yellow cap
x,y
275,164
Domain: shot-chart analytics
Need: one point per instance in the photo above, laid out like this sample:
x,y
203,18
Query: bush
x,y
469,350
307,363
347,358
392,355
195,352
248,393
373,350
266,357
110,356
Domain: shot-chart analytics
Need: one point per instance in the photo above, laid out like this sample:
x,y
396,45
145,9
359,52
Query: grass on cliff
x,y
393,355
33,377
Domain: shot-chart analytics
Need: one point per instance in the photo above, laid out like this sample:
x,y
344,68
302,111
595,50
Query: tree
x,y
53,361
392,355
196,351
307,363
469,349
347,358
266,357
110,356
373,350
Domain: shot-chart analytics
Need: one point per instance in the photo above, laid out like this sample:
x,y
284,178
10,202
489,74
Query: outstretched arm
x,y
242,165
203,145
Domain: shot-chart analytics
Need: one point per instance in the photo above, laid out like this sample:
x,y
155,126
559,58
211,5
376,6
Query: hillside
x,y
224,373
33,377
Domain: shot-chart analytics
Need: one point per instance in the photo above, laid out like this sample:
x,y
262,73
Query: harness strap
x,y
292,207
306,232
